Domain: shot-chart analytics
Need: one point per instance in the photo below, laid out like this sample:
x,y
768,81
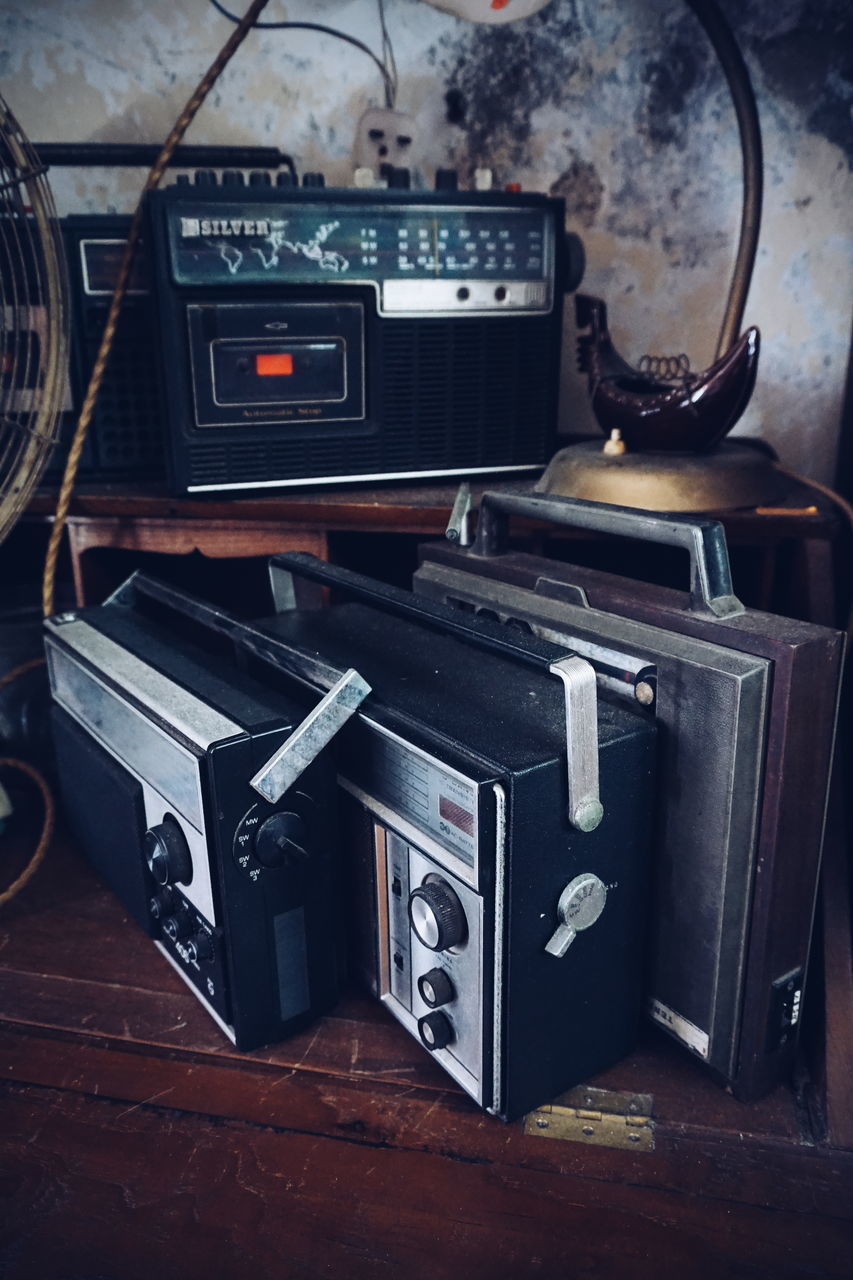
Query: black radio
x,y
497,827
312,335
206,803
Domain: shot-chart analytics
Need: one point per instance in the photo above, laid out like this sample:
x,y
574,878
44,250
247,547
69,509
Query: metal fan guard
x,y
33,320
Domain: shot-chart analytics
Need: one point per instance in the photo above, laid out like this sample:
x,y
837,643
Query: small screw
x,y
633,1137
541,1124
587,1131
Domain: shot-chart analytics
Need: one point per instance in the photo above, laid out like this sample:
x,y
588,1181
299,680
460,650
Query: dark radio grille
x,y
450,394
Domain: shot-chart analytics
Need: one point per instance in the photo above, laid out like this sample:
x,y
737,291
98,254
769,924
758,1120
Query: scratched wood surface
x,y
136,1142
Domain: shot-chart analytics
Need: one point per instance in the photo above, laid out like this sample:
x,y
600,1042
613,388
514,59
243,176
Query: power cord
x,y
387,66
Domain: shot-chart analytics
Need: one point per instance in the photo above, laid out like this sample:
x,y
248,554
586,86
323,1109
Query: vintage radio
x,y
126,439
314,336
746,705
162,750
496,817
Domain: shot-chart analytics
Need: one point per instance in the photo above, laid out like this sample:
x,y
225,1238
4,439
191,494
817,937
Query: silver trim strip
x,y
193,719
378,475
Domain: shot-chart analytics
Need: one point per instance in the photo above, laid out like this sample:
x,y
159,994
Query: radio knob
x,y
446,180
178,926
260,178
167,853
435,988
200,947
233,178
313,180
437,916
205,177
285,179
400,177
436,1030
281,836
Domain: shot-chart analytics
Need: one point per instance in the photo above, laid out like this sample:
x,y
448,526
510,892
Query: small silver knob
x,y
581,903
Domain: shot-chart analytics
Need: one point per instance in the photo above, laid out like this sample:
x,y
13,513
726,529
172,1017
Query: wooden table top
x,y
346,1150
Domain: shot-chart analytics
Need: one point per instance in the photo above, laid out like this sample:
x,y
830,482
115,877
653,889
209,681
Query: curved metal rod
x,y
743,98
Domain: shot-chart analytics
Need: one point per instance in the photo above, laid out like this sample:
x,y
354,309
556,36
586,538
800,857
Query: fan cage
x,y
33,321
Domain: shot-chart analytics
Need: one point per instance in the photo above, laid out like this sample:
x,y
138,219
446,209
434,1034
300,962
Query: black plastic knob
x,y
280,839
200,947
205,177
260,178
162,904
167,853
285,179
437,916
182,180
436,1030
446,180
575,262
313,180
178,926
400,178
233,178
435,988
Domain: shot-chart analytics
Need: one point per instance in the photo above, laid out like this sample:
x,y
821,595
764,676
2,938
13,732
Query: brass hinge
x,y
598,1117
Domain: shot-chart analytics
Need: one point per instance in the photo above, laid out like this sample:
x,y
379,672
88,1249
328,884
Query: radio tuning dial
x,y
437,915
167,853
435,988
436,1030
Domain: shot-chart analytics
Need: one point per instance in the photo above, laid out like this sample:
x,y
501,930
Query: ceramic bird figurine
x,y
686,412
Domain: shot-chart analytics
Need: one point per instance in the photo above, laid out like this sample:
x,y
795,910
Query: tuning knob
x,y
313,180
436,1030
437,915
279,838
446,180
435,988
167,853
233,178
205,177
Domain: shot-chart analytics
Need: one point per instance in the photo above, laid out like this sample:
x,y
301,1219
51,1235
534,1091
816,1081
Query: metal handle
x,y
705,540
576,674
483,634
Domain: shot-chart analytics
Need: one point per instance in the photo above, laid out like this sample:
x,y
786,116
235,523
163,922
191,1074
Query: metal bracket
x,y
311,736
597,1118
578,677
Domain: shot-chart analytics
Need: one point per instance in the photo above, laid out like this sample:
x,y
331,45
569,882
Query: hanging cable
x,y
388,78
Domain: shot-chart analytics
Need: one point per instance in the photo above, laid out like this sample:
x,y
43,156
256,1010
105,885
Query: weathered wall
x,y
618,105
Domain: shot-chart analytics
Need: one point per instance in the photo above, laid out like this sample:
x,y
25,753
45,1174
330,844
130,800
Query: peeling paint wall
x,y
619,106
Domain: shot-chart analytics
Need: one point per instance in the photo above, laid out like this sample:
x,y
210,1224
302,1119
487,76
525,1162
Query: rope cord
x,y
46,829
183,122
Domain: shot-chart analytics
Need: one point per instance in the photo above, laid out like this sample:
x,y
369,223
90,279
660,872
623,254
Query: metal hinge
x,y
597,1117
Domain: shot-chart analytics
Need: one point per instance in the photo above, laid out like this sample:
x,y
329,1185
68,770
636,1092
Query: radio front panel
x,y
321,336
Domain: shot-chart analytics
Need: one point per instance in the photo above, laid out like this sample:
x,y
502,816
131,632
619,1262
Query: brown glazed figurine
x,y
689,413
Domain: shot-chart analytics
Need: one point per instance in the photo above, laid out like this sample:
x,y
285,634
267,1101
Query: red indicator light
x,y
279,365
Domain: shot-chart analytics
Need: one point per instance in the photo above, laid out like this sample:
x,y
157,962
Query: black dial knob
x,y
200,946
260,178
436,1030
162,904
233,178
167,853
437,916
205,177
435,988
401,178
313,180
178,926
446,180
281,838
285,179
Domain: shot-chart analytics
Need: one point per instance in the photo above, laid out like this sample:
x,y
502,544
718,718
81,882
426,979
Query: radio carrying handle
x,y
576,674
346,690
711,589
